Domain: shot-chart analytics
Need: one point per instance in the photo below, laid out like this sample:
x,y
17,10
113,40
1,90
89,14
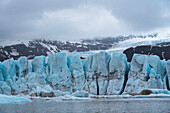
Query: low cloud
x,y
75,19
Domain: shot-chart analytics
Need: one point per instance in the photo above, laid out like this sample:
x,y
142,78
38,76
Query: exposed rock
x,y
146,92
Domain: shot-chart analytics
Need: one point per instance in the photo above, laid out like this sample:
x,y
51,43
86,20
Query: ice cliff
x,y
99,74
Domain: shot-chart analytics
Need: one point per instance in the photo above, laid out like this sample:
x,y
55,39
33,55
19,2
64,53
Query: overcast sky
x,y
77,19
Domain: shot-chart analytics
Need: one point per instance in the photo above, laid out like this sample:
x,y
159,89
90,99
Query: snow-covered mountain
x,y
31,48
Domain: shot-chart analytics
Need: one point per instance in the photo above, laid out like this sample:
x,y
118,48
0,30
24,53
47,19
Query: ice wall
x,y
118,73
59,75
145,72
100,74
168,74
97,72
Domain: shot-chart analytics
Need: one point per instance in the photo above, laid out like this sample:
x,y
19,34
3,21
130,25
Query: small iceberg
x,y
13,99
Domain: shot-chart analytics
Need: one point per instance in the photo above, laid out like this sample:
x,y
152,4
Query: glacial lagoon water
x,y
120,105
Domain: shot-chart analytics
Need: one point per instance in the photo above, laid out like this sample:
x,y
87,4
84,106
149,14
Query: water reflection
x,y
143,105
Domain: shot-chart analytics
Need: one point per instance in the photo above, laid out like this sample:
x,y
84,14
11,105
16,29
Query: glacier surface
x,y
99,74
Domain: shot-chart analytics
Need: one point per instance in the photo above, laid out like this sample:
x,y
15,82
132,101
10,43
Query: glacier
x,y
99,74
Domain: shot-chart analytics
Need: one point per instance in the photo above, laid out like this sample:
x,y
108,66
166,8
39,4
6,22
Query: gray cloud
x,y
75,19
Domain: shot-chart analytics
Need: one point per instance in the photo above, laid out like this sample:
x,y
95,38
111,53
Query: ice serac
x,y
1,75
97,70
59,75
18,85
168,74
138,74
37,75
77,73
22,66
145,72
29,66
34,79
8,68
157,73
39,65
4,88
118,73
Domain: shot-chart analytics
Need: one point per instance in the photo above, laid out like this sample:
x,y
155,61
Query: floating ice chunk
x,y
58,93
160,91
80,94
47,91
13,99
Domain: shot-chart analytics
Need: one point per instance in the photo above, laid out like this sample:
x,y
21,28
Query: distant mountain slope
x,y
33,48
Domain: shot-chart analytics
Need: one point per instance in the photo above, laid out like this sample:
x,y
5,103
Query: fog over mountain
x,y
81,19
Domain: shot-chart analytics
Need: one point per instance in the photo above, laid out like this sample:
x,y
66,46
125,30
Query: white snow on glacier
x,y
99,74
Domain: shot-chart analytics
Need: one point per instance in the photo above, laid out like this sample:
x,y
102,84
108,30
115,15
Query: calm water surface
x,y
130,105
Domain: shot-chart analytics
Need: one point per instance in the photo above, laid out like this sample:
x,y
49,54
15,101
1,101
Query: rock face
x,y
99,74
